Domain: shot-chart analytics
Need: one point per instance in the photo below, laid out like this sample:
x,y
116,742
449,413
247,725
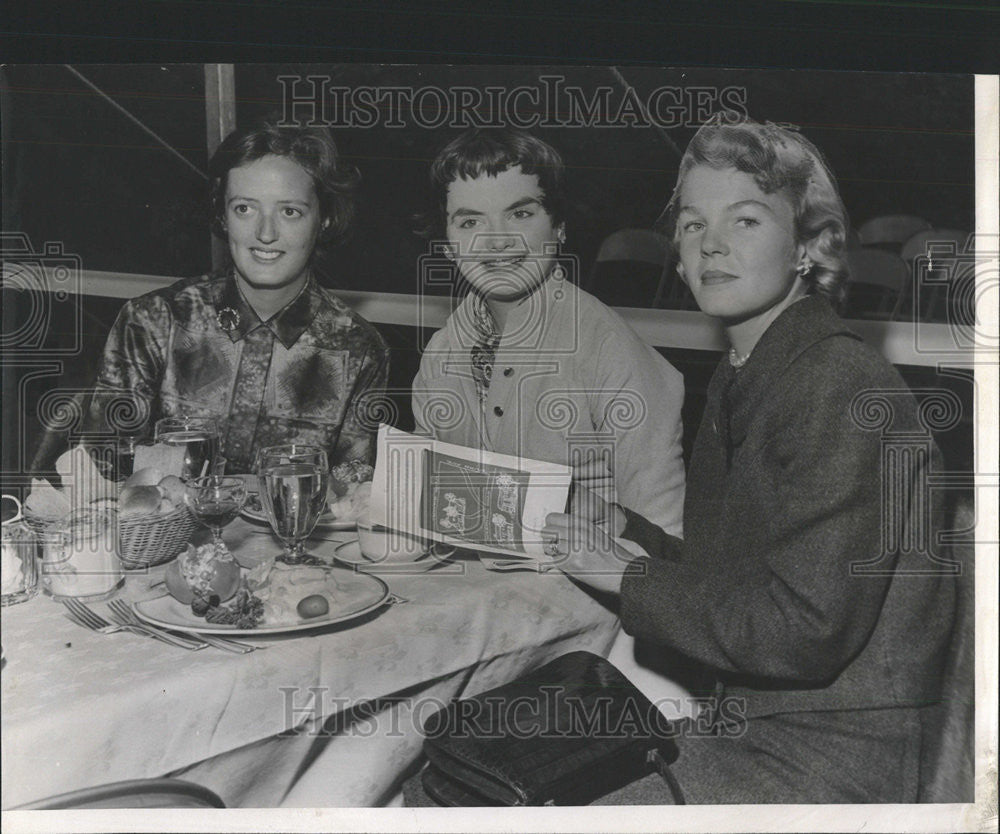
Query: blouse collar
x,y
238,319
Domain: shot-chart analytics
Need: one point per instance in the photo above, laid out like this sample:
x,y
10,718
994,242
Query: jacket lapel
x,y
800,327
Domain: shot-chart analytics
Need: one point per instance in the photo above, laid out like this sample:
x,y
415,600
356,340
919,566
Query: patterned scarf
x,y
484,351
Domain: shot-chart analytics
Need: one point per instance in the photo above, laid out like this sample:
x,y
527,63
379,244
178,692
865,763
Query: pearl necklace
x,y
738,360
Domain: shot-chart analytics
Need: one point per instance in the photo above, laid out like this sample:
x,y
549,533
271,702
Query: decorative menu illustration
x,y
467,497
474,501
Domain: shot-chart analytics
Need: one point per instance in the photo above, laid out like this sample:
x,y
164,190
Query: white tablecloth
x,y
317,719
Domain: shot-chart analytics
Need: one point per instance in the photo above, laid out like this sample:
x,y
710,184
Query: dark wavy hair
x,y
492,150
778,159
312,148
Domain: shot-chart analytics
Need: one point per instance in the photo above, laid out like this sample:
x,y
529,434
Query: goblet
x,y
200,438
215,500
293,489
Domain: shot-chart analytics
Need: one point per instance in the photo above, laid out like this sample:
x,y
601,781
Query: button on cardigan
x,y
580,381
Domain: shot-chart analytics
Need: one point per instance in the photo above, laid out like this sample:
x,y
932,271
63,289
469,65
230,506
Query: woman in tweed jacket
x,y
800,588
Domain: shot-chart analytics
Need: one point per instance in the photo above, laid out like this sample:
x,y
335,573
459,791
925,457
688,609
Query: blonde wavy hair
x,y
779,159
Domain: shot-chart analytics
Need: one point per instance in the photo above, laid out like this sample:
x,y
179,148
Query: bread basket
x,y
147,540
143,541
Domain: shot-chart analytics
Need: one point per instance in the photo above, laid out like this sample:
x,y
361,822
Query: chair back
x,y
891,229
133,793
642,245
947,766
877,285
632,268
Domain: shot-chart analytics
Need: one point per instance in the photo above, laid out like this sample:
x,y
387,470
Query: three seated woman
x,y
767,594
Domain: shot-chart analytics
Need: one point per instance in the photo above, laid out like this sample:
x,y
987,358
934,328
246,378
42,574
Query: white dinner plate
x,y
252,511
358,594
350,554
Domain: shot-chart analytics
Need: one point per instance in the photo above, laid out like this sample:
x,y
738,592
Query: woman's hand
x,y
585,502
585,551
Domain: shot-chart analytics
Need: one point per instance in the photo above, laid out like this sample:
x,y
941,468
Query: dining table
x,y
318,717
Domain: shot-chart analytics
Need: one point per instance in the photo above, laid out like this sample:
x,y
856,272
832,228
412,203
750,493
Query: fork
x,y
84,616
510,565
126,616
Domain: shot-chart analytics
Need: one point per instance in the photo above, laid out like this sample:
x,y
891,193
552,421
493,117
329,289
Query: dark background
x,y
907,36
78,171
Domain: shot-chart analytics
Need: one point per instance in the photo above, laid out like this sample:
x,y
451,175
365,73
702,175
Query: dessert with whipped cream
x,y
287,585
353,506
350,490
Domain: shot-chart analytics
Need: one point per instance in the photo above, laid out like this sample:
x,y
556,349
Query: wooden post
x,y
220,120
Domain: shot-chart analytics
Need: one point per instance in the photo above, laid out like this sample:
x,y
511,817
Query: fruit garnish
x,y
343,475
244,611
314,605
206,570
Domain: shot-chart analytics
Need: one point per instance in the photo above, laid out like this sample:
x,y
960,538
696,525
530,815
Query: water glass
x,y
199,436
80,557
293,490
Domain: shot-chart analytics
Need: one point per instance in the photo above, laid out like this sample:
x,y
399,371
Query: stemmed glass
x,y
293,489
215,500
200,438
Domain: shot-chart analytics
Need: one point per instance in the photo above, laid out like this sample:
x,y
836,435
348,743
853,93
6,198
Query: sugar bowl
x,y
18,568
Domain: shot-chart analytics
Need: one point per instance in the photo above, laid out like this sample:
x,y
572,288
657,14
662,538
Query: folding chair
x,y
947,771
891,230
134,793
633,269
877,284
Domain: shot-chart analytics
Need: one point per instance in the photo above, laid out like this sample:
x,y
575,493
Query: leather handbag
x,y
569,732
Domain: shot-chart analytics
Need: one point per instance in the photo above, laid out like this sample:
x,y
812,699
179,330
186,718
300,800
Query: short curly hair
x,y
312,148
491,151
778,158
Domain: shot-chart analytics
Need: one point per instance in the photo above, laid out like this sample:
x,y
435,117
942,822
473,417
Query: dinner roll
x,y
138,500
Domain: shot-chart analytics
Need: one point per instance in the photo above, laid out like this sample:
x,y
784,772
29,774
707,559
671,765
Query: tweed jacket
x,y
806,579
569,377
198,348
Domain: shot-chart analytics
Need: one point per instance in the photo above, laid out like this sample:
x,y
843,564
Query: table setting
x,y
314,698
